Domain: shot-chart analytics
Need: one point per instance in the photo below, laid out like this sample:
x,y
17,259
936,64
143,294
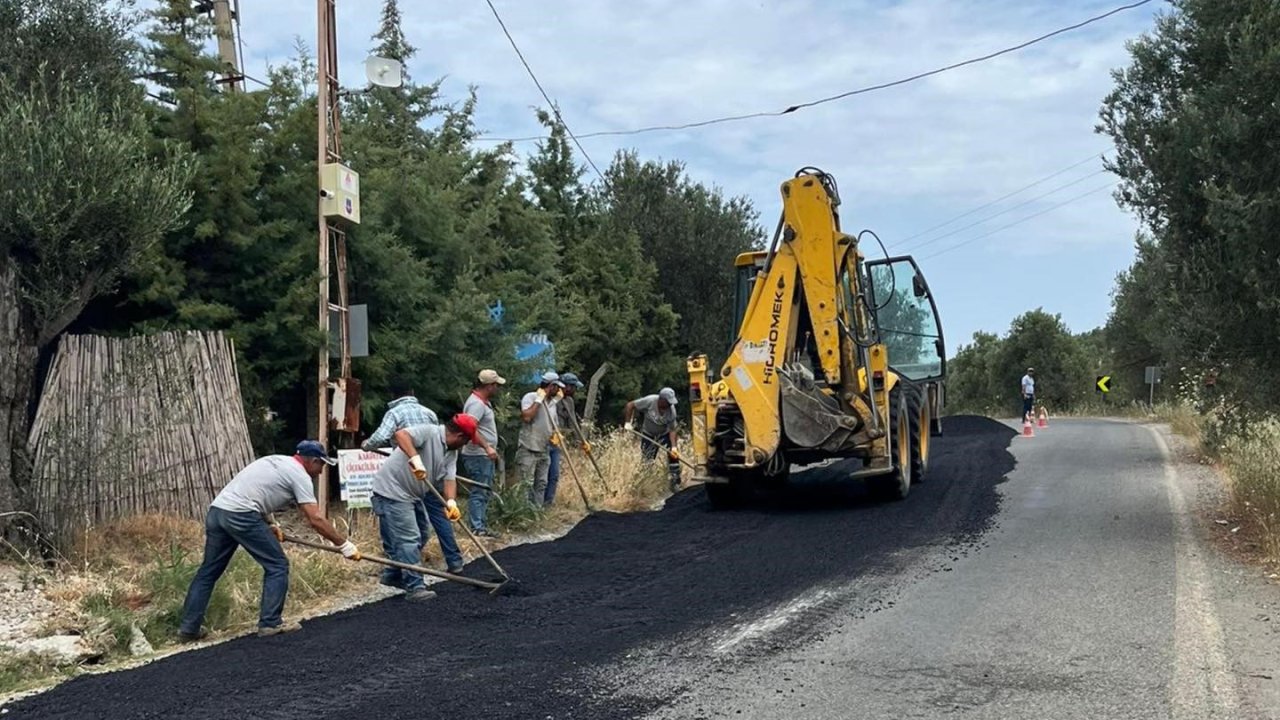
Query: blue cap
x,y
571,379
313,449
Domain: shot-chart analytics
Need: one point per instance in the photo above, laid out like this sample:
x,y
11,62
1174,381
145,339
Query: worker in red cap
x,y
424,453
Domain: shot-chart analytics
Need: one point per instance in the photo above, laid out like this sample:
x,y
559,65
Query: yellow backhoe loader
x,y
834,356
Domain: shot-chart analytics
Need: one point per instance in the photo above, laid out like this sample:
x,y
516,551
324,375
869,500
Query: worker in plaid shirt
x,y
405,412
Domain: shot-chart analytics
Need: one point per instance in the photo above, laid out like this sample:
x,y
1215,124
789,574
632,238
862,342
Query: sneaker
x,y
419,595
484,532
457,569
193,637
288,627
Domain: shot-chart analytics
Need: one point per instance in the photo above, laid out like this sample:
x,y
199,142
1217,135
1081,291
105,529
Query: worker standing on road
x,y
1028,392
565,421
406,412
240,517
479,458
659,423
424,453
533,456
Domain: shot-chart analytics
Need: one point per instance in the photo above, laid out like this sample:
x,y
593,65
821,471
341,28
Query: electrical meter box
x,y
339,192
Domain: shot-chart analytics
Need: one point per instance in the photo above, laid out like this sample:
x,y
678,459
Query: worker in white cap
x,y
658,423
537,426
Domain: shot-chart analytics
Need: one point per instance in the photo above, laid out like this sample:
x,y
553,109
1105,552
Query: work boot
x,y
457,569
419,595
193,637
287,627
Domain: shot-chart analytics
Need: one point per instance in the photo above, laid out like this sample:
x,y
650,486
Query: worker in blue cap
x,y
566,418
241,516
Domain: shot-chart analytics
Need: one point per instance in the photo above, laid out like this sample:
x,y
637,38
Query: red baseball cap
x,y
466,424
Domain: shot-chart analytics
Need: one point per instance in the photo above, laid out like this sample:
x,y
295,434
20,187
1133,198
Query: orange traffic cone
x,y
1027,430
1044,418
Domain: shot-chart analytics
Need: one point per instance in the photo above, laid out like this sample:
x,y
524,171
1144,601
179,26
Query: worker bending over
x,y
424,453
240,517
658,424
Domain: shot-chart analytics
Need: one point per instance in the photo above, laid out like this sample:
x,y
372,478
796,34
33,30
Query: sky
x,y
908,158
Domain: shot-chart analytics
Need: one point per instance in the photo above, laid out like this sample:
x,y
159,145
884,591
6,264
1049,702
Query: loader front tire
x,y
921,419
897,484
722,496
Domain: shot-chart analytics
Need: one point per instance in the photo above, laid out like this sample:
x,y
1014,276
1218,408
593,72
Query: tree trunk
x,y
18,368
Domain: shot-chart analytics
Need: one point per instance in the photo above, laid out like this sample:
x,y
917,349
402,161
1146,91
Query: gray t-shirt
x,y
654,421
535,435
395,480
485,422
266,485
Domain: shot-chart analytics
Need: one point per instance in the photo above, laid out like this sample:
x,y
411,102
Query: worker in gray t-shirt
x,y
537,425
658,425
240,517
423,454
479,459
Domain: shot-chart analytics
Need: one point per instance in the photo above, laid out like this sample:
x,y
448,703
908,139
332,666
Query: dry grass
x,y
1252,461
1182,419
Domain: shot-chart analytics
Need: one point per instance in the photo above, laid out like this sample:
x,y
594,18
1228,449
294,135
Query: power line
x,y
1007,210
1002,198
545,96
830,98
1019,222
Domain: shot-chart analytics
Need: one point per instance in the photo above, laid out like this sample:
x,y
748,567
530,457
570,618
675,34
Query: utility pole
x,y
339,198
226,23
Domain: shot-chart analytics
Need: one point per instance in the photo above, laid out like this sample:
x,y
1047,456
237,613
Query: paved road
x,y
1076,588
1091,599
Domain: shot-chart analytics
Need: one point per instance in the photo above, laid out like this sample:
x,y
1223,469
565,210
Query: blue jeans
x,y
481,469
1027,403
443,528
553,476
649,452
402,526
224,531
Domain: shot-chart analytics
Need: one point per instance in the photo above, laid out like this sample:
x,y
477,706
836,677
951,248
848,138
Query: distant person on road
x,y
1028,392
406,412
658,423
563,413
479,458
240,516
537,426
423,454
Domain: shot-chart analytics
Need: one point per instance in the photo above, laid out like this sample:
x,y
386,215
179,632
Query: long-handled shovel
x,y
492,587
660,446
564,454
578,429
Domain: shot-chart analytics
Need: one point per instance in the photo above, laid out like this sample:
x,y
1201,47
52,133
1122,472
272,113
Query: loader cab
x,y
907,317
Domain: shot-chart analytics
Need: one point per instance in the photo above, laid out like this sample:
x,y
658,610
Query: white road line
x,y
773,621
1202,685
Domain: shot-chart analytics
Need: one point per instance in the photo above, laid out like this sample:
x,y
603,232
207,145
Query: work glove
x,y
542,394
451,510
586,447
419,470
673,455
349,550
628,426
277,531
556,439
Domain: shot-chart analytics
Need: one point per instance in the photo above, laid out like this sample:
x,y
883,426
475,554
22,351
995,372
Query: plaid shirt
x,y
401,413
